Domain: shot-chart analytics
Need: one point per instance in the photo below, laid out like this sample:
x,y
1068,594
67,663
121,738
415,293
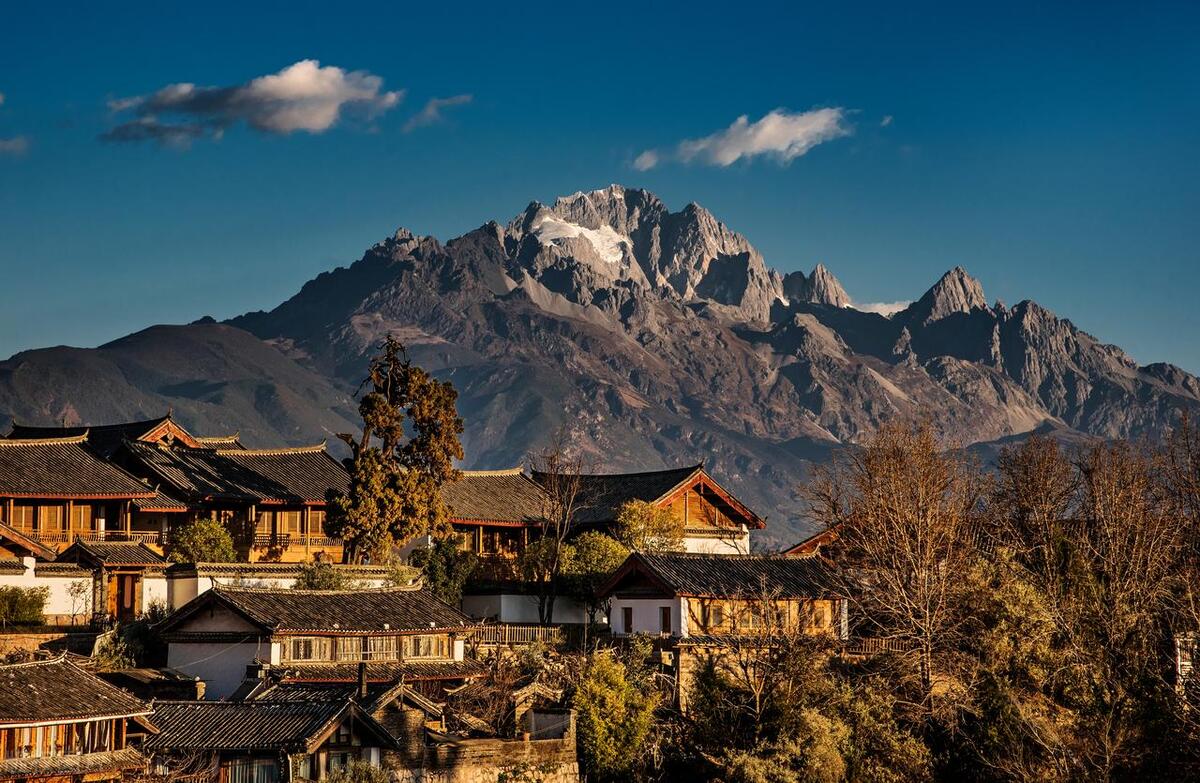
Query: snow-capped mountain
x,y
658,338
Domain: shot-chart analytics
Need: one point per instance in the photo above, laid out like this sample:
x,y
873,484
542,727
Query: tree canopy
x,y
405,452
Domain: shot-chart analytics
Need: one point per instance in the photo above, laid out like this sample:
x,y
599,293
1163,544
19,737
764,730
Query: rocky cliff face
x,y
657,338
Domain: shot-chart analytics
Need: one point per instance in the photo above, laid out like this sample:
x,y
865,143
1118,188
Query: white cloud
x,y
886,121
887,309
305,96
1,99
431,114
781,134
15,146
646,161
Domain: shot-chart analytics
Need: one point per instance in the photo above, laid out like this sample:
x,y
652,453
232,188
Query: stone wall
x,y
29,641
477,760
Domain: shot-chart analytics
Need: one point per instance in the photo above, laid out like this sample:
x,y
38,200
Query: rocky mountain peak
x,y
826,289
821,287
955,292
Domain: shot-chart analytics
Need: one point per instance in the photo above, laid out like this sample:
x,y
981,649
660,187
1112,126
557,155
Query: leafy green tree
x,y
814,753
321,576
614,718
446,567
406,451
542,565
203,540
646,527
595,557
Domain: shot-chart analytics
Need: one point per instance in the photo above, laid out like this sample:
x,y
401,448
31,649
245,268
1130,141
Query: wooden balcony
x,y
293,547
61,539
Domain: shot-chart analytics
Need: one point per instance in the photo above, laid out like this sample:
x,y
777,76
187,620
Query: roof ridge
x,y
519,470
67,439
215,438
416,587
60,658
313,449
690,469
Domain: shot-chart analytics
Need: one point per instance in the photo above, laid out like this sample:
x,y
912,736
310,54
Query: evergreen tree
x,y
406,451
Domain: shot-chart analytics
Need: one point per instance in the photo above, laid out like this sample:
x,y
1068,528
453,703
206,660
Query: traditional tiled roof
x,y
384,610
291,727
319,691
222,441
62,468
30,545
75,766
57,690
162,502
708,575
811,545
293,475
62,569
106,439
495,496
112,553
601,495
233,572
385,671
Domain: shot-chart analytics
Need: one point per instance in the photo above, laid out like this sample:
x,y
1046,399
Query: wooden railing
x,y
870,645
285,540
512,634
67,536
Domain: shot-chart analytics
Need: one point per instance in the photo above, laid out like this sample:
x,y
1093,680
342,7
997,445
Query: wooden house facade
x,y
59,723
714,521
318,636
137,481
682,595
263,741
54,491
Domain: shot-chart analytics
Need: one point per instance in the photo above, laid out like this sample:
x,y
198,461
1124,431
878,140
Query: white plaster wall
x,y
646,615
729,545
516,608
154,591
180,590
483,607
222,665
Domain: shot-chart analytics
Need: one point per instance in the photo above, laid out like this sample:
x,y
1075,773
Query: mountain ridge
x,y
657,338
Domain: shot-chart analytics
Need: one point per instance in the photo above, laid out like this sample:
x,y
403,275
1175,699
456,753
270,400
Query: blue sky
x,y
1051,149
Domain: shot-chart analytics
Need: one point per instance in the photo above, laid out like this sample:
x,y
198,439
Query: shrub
x,y
358,772
446,567
614,718
320,576
23,605
204,540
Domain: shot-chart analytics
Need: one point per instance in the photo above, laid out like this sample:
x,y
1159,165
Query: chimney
x,y
362,680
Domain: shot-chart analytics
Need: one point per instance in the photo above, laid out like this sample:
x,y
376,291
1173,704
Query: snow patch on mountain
x,y
609,245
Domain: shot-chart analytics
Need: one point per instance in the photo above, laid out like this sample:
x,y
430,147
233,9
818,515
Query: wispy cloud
x,y
1,99
14,146
883,308
781,135
305,96
886,121
431,114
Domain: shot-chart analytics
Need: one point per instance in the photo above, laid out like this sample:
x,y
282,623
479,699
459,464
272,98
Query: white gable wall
x,y
647,617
